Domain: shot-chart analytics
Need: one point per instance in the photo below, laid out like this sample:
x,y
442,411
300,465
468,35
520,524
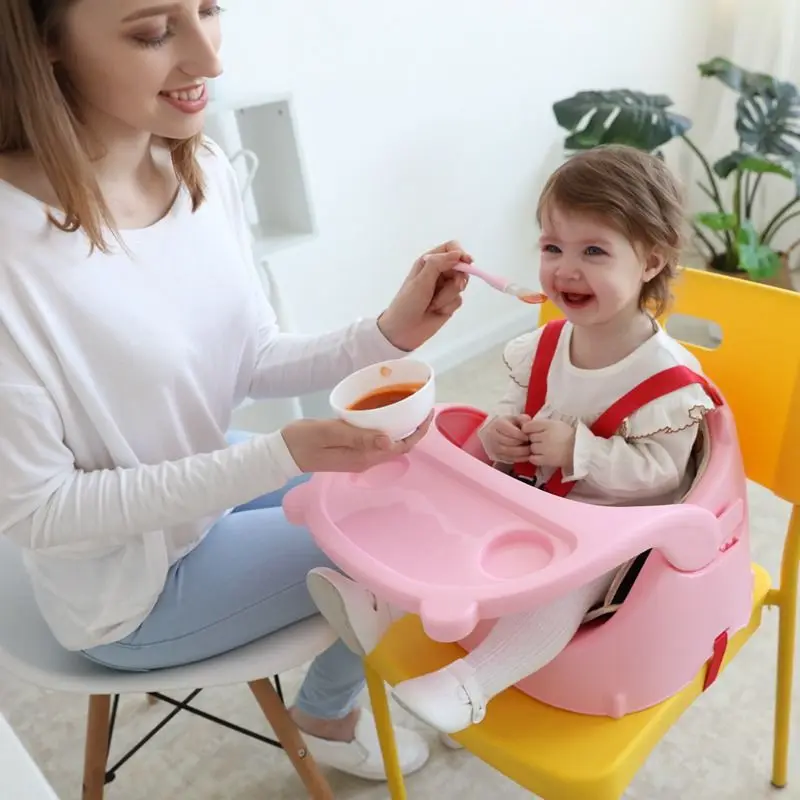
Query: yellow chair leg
x,y
383,722
786,647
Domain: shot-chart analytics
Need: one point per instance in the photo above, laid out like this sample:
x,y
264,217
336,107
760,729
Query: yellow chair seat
x,y
553,753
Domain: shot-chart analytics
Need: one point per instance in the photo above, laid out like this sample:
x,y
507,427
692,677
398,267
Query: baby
x,y
603,408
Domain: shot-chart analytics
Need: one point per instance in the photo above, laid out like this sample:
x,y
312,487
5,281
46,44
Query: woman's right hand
x,y
332,445
504,441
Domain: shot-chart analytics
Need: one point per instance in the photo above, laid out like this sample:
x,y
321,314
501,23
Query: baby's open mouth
x,y
576,299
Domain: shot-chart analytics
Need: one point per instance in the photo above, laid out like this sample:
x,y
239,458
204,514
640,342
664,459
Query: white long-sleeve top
x,y
118,377
648,461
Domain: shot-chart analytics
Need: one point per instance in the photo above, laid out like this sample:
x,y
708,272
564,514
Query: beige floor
x,y
720,750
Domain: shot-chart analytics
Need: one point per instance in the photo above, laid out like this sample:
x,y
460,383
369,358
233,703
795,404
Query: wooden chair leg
x,y
96,755
290,738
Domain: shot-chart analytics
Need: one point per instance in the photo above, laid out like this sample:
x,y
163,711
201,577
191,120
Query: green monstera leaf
x,y
767,111
749,162
737,78
757,259
619,116
717,220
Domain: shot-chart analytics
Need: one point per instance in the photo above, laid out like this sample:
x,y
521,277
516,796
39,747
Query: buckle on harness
x,y
530,481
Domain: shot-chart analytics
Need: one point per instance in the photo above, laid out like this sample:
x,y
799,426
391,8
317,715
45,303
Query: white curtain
x,y
759,35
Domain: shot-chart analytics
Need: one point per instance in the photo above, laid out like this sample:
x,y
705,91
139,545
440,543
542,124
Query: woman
x,y
132,324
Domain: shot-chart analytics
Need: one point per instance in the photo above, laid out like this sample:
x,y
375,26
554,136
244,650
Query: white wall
x,y
431,119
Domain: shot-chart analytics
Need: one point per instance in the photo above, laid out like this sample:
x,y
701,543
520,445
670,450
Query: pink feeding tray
x,y
442,534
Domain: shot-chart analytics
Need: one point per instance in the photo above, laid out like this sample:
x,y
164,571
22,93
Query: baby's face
x,y
590,270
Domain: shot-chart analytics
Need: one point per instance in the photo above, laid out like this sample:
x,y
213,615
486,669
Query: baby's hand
x,y
504,440
552,443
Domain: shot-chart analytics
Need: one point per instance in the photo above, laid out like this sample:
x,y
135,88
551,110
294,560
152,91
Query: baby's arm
x,y
629,468
649,460
518,357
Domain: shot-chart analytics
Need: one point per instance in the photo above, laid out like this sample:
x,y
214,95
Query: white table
x,y
19,775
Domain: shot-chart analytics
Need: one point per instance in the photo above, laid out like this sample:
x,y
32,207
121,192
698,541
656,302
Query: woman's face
x,y
140,66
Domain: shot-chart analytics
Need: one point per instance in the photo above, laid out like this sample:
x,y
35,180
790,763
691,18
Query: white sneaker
x,y
449,699
362,756
359,618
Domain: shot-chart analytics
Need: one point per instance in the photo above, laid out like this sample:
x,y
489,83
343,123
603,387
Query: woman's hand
x,y
429,296
332,445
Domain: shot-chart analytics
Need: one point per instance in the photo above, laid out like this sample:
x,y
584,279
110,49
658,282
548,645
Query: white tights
x,y
520,644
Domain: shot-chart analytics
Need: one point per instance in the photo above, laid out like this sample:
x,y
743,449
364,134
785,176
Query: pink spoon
x,y
503,285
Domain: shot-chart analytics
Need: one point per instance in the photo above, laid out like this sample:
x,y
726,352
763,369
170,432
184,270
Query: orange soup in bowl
x,y
385,396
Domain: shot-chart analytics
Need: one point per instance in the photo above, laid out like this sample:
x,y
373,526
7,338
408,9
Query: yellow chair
x,y
560,755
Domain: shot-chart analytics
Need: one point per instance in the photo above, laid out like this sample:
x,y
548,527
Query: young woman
x,y
131,326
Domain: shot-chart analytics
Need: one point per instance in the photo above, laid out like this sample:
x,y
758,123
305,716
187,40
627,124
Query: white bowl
x,y
399,419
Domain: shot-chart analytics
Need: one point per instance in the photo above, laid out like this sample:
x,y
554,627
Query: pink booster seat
x,y
442,534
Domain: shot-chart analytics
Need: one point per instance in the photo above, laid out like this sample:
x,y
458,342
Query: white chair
x,y
29,652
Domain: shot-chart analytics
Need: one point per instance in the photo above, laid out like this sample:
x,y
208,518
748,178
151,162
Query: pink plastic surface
x,y
442,534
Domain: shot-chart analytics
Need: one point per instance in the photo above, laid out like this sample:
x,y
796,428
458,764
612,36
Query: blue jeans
x,y
245,580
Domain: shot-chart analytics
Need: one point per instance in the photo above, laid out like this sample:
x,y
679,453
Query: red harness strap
x,y
537,384
609,422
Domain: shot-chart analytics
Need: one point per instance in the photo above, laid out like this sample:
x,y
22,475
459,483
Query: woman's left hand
x,y
429,296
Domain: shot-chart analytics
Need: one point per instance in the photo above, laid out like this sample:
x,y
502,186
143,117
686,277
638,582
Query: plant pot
x,y
720,263
782,279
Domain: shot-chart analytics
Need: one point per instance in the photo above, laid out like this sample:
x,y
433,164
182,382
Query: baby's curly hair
x,y
631,191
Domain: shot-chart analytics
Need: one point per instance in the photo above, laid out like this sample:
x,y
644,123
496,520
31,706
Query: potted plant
x,y
768,130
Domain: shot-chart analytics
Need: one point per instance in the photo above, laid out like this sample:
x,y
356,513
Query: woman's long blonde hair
x,y
38,116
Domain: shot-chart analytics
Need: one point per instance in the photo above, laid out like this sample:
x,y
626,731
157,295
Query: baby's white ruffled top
x,y
648,463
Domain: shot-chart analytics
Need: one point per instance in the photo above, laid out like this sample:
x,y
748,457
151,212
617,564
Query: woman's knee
x,y
112,656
